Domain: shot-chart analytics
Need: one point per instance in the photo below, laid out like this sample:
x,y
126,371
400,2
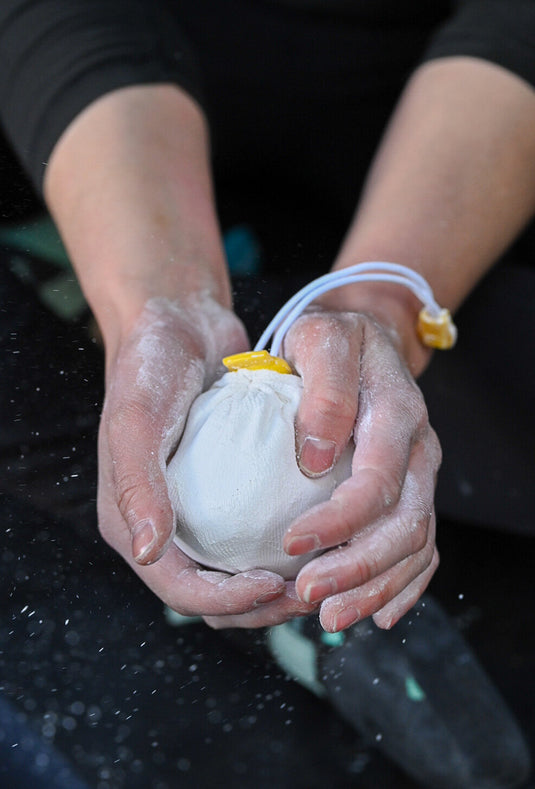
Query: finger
x,y
182,583
283,609
143,417
384,434
193,590
391,613
383,544
325,350
136,487
196,591
341,611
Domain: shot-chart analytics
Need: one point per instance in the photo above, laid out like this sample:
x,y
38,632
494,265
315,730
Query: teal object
x,y
39,238
333,639
296,654
242,250
37,241
414,691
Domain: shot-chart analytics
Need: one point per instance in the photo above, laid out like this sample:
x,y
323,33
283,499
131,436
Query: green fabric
x,y
39,238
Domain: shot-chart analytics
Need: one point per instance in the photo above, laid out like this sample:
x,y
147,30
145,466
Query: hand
x,y
129,185
380,524
152,379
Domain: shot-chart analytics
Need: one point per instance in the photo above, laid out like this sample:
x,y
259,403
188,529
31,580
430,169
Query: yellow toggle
x,y
256,360
437,332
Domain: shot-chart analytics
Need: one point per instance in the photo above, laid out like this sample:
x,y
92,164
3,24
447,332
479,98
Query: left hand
x,y
380,524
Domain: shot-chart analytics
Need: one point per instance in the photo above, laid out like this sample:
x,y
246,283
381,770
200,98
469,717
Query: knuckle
x,y
383,595
365,568
335,405
127,488
345,527
418,531
316,329
435,448
317,323
427,562
305,330
419,412
388,484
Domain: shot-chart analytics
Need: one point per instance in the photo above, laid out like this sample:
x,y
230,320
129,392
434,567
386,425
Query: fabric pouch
x,y
234,481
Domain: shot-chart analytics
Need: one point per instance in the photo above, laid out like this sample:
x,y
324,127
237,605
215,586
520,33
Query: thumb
x,y
133,482
324,424
329,403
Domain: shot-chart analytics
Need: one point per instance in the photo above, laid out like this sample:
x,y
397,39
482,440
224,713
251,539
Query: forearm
x,y
451,186
129,187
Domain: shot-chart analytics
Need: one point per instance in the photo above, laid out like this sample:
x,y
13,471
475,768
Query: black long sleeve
x,y
57,56
501,31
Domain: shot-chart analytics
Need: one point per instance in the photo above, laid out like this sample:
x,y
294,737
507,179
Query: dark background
x,y
88,662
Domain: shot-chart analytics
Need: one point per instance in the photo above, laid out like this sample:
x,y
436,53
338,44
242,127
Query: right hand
x,y
152,378
130,188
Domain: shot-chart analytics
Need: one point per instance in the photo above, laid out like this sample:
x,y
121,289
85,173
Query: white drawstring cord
x,y
379,271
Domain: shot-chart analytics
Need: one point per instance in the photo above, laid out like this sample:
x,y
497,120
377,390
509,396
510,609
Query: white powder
x,y
168,372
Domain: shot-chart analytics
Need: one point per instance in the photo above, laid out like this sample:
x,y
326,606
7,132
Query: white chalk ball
x,y
234,481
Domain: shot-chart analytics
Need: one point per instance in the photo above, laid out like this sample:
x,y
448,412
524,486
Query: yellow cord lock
x,y
256,360
437,331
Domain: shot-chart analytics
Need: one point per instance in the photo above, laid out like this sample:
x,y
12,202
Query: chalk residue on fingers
x,y
179,348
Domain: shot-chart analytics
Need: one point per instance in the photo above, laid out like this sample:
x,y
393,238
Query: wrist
x,y
189,290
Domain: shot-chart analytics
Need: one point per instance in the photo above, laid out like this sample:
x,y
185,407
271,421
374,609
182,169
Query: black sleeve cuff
x,y
500,31
57,56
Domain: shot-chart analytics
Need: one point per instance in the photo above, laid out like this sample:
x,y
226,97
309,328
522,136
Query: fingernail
x,y
318,590
143,539
316,456
345,618
303,544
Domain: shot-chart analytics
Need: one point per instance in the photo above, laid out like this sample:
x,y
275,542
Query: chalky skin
x,y
129,186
